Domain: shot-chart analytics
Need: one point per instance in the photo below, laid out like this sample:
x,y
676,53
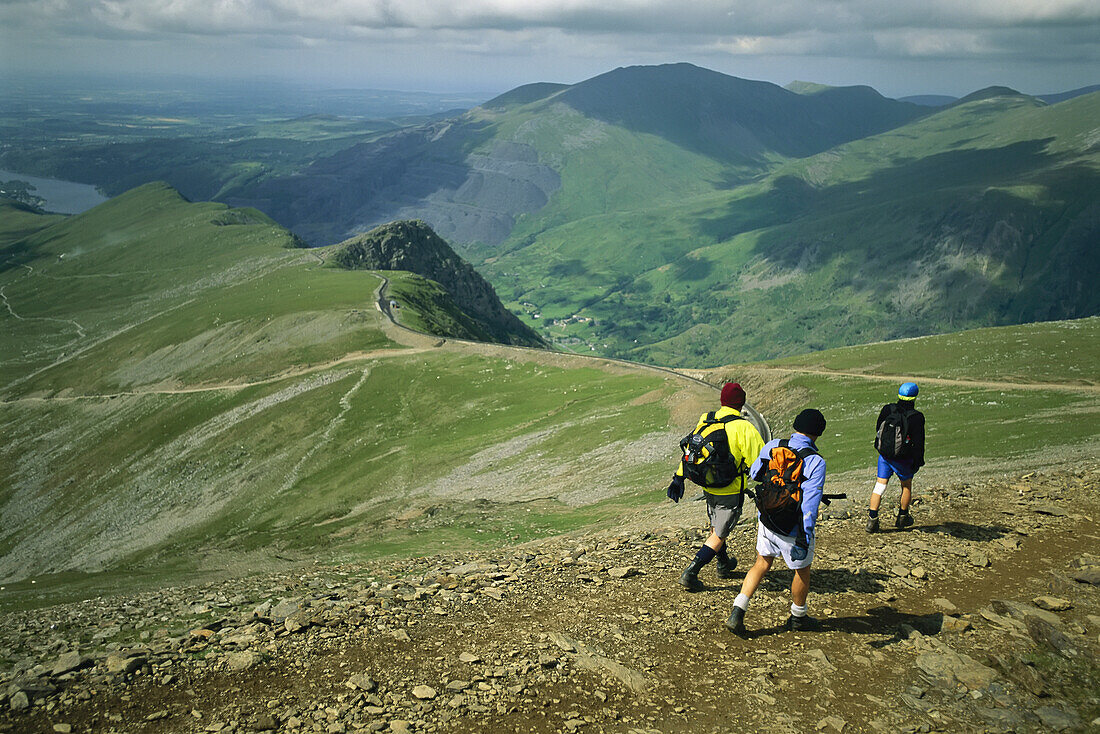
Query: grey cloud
x,y
704,17
561,32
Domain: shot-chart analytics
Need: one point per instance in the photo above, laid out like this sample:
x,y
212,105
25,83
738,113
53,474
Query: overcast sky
x,y
900,47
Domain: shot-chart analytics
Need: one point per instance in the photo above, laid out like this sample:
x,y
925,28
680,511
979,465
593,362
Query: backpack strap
x,y
800,453
710,418
807,451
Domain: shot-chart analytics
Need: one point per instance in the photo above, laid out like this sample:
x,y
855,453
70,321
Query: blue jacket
x,y
812,487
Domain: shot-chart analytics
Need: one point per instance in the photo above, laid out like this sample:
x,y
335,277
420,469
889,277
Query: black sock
x,y
903,511
705,554
872,513
721,555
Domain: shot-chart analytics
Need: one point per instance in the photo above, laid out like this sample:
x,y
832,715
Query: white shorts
x,y
770,545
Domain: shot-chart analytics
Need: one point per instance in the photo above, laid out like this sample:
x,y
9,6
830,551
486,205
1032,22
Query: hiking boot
x,y
872,525
903,521
726,566
736,622
803,624
689,579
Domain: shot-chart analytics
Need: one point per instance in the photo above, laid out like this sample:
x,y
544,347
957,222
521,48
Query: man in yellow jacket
x,y
723,503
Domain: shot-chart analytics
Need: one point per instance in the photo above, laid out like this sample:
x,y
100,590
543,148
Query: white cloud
x,y
555,35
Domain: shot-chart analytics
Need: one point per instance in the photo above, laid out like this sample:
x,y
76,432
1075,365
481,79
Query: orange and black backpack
x,y
779,493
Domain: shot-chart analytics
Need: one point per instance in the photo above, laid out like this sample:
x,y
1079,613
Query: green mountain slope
x,y
731,119
621,141
675,215
992,397
986,213
1050,353
186,393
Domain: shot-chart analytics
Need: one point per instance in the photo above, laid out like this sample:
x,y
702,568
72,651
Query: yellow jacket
x,y
745,445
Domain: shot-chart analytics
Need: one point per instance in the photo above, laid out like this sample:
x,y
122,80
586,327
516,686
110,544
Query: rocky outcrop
x,y
413,246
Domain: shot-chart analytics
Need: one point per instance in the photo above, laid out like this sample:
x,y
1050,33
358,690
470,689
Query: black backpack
x,y
708,460
778,495
892,440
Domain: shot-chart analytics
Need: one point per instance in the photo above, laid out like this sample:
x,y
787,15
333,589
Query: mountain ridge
x,y
413,246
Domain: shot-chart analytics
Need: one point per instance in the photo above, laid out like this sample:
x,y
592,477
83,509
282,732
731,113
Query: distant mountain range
x,y
679,215
472,177
940,100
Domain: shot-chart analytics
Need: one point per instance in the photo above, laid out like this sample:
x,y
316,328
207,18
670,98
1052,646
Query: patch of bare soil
x,y
981,617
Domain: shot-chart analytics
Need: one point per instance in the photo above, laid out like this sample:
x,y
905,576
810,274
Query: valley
x,y
603,211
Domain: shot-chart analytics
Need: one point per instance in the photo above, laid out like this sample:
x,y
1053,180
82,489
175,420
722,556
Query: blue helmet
x,y
908,391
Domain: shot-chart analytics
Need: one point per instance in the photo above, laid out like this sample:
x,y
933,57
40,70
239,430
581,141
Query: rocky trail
x,y
984,616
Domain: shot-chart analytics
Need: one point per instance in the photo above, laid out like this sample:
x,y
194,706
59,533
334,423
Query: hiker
x,y
899,439
734,441
787,516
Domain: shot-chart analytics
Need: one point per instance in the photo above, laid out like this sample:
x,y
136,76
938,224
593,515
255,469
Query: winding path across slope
x,y
986,384
419,342
382,302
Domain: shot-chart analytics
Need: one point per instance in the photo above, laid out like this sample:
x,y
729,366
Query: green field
x,y
1063,352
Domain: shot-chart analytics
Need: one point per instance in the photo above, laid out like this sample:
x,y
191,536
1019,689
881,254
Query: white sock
x,y
742,601
797,611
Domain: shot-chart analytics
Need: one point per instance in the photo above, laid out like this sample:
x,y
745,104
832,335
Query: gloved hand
x,y
800,550
676,489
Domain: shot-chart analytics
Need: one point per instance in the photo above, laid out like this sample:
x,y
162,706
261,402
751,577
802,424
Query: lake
x,y
64,197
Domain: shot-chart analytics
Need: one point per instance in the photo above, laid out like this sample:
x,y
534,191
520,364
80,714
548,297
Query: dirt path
x,y
988,384
289,374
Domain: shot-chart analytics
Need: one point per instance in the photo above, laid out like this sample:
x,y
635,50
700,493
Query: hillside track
x,y
984,384
228,386
382,303
412,341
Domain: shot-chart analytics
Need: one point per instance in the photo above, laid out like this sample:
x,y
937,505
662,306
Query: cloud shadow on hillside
x,y
366,182
791,197
693,269
964,237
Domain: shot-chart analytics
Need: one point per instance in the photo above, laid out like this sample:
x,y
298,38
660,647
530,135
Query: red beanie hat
x,y
733,395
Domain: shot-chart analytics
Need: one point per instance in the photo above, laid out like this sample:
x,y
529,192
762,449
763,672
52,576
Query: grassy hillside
x,y
20,220
992,397
184,394
1056,352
